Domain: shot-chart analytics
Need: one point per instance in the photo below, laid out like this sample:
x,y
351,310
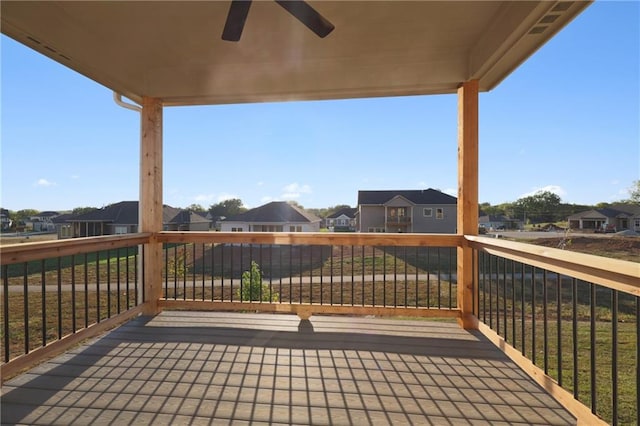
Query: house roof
x,y
126,213
418,196
600,214
188,216
347,211
275,212
173,50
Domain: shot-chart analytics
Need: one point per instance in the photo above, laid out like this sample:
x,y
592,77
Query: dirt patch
x,y
625,248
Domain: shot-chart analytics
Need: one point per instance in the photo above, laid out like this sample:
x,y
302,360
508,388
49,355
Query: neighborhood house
x,y
423,210
276,216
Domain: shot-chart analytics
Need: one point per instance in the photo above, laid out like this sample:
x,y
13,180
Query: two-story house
x,y
422,210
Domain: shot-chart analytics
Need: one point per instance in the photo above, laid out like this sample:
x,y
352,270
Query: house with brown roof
x,y
122,218
422,210
276,216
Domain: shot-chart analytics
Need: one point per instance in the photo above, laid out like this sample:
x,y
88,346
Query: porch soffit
x,y
172,50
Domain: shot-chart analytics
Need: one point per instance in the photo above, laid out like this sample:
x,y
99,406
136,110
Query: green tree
x,y
227,208
83,210
253,287
539,207
197,208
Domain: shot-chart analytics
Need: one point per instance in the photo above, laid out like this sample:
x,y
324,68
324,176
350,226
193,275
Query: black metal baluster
x,y
373,277
5,303
73,295
331,276
25,303
523,308
439,279
417,249
593,347
406,278
353,263
533,314
108,283
384,276
59,267
545,322
614,356
165,251
504,300
341,274
514,343
574,332
213,269
86,291
43,284
118,281
559,326
98,286
451,277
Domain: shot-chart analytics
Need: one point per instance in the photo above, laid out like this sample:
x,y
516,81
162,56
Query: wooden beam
x,y
150,213
467,196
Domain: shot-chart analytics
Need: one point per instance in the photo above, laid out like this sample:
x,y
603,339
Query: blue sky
x,y
567,120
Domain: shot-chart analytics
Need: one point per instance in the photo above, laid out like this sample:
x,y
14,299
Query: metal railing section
x,y
350,275
582,333
50,291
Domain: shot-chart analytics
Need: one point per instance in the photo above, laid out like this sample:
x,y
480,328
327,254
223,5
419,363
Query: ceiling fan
x,y
239,10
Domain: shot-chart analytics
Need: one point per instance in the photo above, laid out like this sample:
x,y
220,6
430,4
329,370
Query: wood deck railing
x,y
565,317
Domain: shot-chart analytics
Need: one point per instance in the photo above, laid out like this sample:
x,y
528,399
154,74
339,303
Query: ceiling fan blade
x,y
236,18
308,16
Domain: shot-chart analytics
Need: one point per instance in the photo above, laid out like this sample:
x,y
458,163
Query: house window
x,y
293,228
439,213
236,229
120,230
636,223
427,212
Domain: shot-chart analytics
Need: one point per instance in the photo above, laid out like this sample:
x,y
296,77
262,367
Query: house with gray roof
x,y
422,210
617,217
122,218
276,216
343,220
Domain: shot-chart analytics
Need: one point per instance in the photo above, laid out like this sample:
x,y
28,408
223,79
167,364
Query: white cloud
x,y
44,182
75,177
556,189
294,191
295,187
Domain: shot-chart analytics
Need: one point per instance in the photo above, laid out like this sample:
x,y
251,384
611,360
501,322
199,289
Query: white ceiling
x,y
173,49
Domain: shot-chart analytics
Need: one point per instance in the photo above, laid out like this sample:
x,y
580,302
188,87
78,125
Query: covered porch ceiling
x,y
173,50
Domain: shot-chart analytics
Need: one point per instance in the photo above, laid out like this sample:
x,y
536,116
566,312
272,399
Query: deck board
x,y
233,368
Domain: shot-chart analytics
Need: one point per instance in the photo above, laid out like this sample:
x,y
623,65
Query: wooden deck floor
x,y
233,368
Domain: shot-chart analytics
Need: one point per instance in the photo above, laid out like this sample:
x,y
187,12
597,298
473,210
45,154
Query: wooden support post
x,y
467,197
150,208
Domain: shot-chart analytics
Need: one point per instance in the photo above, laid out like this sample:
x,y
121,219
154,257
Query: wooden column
x,y
150,208
467,196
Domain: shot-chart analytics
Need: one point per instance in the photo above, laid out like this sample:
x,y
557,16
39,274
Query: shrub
x,y
253,288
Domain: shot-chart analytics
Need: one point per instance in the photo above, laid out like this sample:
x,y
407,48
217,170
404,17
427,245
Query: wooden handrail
x,y
616,274
16,253
314,238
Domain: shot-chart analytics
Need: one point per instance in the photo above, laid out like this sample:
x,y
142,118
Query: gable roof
x,y
274,212
417,196
347,211
126,213
188,216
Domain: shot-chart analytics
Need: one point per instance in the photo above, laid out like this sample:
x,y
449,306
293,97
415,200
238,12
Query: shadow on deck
x,y
222,368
